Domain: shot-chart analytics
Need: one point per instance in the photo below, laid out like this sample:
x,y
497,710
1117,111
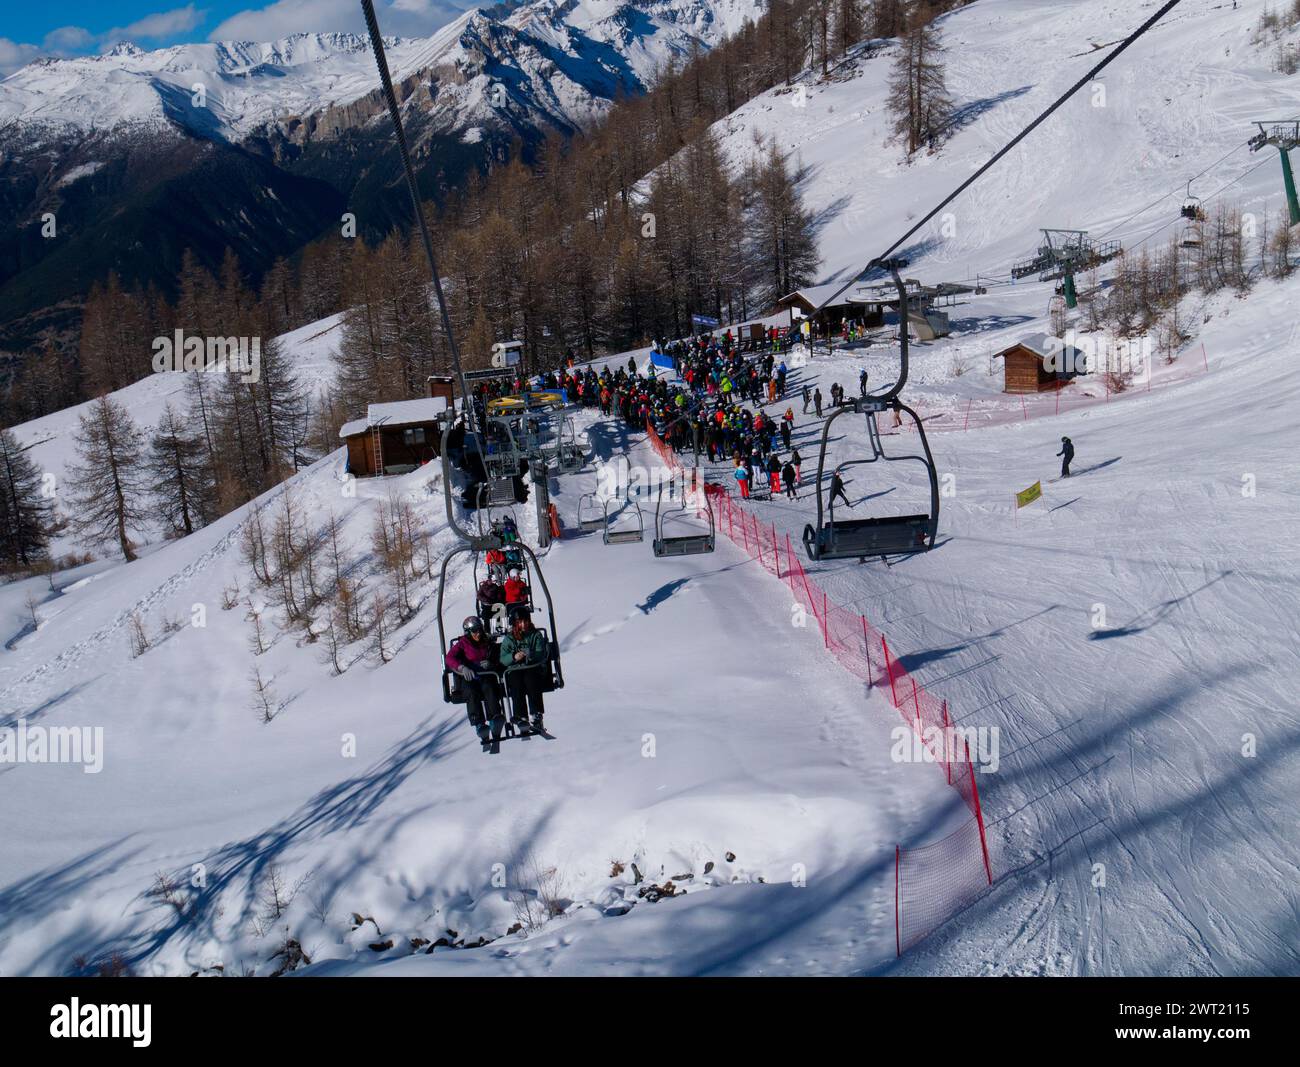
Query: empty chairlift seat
x,y
682,544
619,529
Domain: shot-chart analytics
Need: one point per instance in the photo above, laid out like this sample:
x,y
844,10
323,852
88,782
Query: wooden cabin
x,y
395,438
1033,365
803,303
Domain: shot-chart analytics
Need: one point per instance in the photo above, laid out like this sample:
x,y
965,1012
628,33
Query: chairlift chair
x,y
570,457
591,515
627,535
682,544
453,688
883,535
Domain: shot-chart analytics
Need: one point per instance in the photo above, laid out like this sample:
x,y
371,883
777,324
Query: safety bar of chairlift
x,y
873,406
535,573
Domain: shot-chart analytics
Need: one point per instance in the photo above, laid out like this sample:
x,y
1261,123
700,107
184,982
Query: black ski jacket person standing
x,y
1067,454
837,490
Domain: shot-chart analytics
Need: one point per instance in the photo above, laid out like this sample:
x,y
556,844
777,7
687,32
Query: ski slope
x,y
1131,635
698,659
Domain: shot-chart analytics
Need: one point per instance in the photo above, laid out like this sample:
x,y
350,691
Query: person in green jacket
x,y
524,654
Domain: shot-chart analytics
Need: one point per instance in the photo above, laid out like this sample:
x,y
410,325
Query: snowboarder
x,y
473,657
1067,452
524,654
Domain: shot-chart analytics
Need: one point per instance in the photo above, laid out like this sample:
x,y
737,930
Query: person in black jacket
x,y
837,490
788,474
1067,454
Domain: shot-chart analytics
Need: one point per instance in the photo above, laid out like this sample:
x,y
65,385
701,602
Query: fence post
x,y
916,706
789,563
889,670
866,647
947,745
826,620
979,814
776,552
898,938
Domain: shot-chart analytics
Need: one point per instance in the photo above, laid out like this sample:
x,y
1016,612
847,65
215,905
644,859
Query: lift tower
x,y
1284,135
1063,254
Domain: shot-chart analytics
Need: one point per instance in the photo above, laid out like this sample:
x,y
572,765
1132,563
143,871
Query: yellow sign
x,y
1028,496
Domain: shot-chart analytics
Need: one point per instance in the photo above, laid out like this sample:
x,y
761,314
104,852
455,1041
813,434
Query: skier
x,y
774,473
742,479
524,653
796,461
516,589
1067,452
862,382
472,657
789,474
837,490
807,399
817,402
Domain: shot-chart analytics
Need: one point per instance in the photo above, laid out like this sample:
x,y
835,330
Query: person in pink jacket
x,y
473,657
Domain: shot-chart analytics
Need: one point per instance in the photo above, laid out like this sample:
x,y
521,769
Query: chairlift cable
x,y
1055,106
381,61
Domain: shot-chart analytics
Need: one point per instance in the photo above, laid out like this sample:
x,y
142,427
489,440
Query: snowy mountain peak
x,y
597,46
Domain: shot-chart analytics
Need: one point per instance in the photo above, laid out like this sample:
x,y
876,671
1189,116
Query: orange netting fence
x,y
932,882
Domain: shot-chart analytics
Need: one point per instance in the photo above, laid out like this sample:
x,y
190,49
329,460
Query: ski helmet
x,y
472,625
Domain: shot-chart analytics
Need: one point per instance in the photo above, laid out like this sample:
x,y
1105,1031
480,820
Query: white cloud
x,y
403,18
68,39
14,55
158,25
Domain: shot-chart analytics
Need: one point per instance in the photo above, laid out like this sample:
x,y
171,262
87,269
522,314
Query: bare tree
x,y
918,91
25,513
108,479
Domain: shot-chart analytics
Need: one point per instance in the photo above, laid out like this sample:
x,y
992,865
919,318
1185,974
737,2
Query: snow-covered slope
x,y
1115,160
564,62
1131,636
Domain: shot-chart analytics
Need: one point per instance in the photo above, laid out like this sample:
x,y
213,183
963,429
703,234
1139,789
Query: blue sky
x,y
84,27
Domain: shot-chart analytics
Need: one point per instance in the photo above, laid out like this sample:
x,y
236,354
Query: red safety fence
x,y
933,882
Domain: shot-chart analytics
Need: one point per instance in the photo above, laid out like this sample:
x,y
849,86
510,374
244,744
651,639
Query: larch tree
x,y
918,91
108,480
25,513
181,479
